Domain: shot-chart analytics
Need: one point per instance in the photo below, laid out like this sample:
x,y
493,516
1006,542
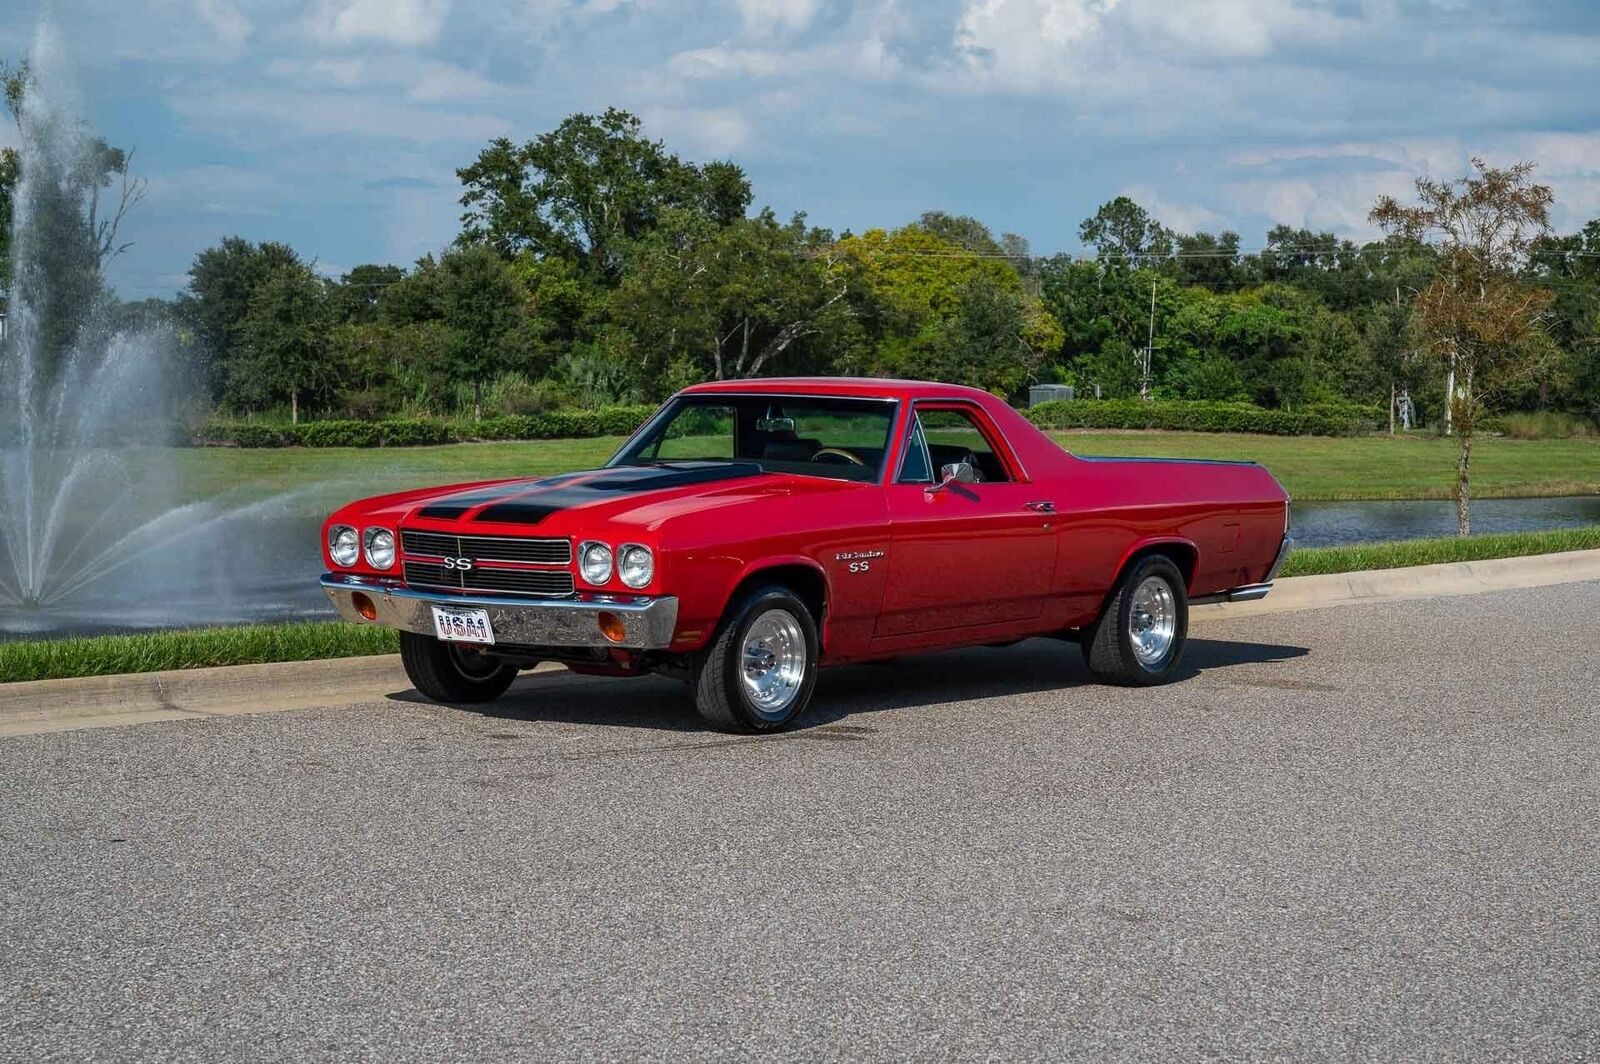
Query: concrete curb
x,y
1420,581
190,694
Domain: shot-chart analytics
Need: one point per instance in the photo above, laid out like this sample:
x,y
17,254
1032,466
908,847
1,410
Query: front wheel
x,y
451,672
757,675
1139,638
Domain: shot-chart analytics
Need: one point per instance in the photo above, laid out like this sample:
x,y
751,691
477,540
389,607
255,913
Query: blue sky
x,y
337,125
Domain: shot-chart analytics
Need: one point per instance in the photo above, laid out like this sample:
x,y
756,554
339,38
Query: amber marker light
x,y
364,606
612,628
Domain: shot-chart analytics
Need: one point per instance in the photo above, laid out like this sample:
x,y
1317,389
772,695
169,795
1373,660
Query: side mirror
x,y
955,473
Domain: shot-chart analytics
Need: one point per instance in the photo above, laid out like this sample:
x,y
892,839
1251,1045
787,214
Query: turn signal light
x,y
612,628
364,606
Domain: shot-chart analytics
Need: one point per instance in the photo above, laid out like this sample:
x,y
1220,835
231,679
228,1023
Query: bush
x,y
339,434
1176,416
1541,425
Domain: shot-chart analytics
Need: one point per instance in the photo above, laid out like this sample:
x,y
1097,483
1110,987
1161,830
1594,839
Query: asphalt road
x,y
1359,833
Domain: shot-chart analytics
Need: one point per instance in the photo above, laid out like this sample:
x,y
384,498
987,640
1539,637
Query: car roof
x,y
850,387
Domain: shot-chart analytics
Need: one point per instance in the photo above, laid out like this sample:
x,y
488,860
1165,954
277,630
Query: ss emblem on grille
x,y
459,564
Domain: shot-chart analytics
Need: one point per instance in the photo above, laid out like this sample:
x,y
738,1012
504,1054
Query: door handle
x,y
1043,506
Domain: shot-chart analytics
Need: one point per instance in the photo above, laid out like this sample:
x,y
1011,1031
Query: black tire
x,y
1108,647
449,672
720,694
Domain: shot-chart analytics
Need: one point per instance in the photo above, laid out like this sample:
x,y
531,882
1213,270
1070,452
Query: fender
x,y
774,561
1141,545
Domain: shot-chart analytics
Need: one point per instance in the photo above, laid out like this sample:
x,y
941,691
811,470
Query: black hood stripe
x,y
529,508
453,506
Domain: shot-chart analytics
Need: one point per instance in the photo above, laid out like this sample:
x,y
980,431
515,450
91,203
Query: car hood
x,y
580,503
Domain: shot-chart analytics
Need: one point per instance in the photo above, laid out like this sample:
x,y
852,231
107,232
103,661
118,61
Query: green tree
x,y
1205,259
1571,267
1122,232
72,218
733,301
355,298
1478,318
585,189
285,334
216,301
482,304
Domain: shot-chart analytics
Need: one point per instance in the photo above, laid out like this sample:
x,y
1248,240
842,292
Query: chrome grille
x,y
487,548
550,583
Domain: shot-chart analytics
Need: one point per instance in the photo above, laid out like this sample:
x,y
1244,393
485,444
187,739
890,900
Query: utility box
x,y
1046,393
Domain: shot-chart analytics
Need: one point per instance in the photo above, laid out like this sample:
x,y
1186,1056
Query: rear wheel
x,y
1140,635
757,675
451,672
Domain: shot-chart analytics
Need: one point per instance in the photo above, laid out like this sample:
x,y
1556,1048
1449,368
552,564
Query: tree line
x,y
594,266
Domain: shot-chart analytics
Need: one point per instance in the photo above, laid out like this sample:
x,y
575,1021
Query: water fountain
x,y
95,532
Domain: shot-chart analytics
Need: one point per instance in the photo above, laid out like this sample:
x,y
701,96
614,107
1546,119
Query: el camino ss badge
x,y
460,564
860,560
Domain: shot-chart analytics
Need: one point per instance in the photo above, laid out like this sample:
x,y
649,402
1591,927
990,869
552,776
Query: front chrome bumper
x,y
647,623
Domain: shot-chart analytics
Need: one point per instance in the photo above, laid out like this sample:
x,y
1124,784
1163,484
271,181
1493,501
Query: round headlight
x,y
636,565
380,547
344,545
594,562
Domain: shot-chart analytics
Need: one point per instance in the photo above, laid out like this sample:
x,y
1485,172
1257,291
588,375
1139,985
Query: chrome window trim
x,y
914,426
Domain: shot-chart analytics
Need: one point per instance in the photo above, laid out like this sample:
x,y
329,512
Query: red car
x,y
753,531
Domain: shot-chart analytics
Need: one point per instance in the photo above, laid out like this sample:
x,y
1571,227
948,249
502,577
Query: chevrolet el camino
x,y
754,531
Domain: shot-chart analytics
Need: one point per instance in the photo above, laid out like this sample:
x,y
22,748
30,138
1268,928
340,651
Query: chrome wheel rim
x,y
1153,621
773,662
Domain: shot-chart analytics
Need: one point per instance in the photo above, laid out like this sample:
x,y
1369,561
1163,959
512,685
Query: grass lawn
x,y
1375,467
195,648
1312,468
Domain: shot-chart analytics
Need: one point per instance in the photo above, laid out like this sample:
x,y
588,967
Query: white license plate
x,y
462,626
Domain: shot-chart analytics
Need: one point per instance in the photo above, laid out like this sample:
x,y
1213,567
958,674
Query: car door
x,y
963,554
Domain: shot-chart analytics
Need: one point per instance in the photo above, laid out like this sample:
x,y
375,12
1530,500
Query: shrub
x,y
338,434
1542,425
240,434
1178,416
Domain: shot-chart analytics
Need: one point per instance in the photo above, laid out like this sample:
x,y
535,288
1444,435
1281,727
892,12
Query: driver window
x,y
953,436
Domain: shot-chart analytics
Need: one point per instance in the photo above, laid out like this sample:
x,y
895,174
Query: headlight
x,y
380,547
594,562
344,544
636,565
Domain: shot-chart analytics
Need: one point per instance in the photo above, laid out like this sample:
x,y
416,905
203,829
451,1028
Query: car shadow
x,y
660,704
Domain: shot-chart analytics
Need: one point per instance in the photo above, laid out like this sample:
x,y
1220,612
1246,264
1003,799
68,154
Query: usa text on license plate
x,y
462,626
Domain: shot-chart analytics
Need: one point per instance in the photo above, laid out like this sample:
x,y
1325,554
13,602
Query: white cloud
x,y
1182,217
767,16
1046,44
226,21
404,22
444,81
707,130
249,115
724,63
1026,41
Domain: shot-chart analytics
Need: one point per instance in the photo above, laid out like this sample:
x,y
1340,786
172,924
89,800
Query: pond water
x,y
1329,524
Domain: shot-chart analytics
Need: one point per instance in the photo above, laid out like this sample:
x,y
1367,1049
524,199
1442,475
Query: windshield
x,y
842,439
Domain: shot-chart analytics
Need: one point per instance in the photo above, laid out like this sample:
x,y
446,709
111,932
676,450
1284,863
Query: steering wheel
x,y
837,452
